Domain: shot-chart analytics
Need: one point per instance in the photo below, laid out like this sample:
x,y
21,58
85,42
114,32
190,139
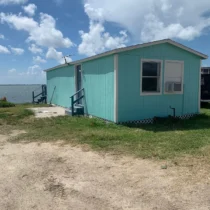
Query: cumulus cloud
x,y
43,33
30,9
58,56
4,50
97,40
11,71
58,2
35,49
32,71
2,36
7,2
17,51
53,54
38,59
155,19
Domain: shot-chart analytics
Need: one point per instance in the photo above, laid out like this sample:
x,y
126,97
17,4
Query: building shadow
x,y
198,122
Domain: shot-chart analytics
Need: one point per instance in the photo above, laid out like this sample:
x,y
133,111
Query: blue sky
x,y
36,34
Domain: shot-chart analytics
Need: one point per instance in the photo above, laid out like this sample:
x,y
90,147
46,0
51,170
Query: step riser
x,y
77,111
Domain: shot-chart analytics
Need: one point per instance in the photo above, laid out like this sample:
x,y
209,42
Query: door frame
x,y
76,81
75,73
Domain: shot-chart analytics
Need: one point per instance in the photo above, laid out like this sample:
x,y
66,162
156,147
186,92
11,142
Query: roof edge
x,y
56,67
119,50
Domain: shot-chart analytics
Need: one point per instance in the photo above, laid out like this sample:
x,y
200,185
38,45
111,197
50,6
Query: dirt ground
x,y
43,112
51,176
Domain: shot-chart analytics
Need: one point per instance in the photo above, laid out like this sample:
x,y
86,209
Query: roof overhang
x,y
169,41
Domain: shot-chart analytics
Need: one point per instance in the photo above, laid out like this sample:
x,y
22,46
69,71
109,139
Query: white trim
x,y
141,70
204,101
75,78
199,88
75,69
174,93
116,88
169,41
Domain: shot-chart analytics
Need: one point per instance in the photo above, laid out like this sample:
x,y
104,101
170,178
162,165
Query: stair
x,y
78,110
41,100
41,97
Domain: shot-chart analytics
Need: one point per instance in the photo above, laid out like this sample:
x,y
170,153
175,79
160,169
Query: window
x,y
151,77
205,70
173,78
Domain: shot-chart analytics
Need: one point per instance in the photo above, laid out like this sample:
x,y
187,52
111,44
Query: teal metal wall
x,y
64,81
132,106
98,82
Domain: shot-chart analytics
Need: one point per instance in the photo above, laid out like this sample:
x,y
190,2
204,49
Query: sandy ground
x,y
43,112
50,176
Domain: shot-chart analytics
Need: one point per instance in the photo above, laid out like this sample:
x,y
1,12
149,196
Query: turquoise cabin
x,y
131,84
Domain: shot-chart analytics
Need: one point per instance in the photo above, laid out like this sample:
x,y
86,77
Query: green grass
x,y
162,140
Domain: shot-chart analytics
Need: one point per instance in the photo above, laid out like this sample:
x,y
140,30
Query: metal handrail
x,y
43,93
38,95
75,101
77,92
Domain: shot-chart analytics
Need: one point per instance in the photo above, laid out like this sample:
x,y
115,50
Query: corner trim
x,y
199,89
116,88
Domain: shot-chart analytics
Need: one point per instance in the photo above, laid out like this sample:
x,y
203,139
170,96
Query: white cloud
x,y
34,49
7,2
38,59
97,40
2,36
58,56
19,22
153,19
11,71
43,34
32,70
30,9
4,50
58,2
33,75
17,51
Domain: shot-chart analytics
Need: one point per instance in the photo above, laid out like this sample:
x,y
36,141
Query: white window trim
x,y
141,71
174,93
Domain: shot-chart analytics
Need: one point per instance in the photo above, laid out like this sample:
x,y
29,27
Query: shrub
x,y
3,99
4,104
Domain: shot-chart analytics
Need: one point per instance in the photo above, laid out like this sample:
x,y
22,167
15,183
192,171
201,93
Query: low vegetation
x,y
164,139
4,103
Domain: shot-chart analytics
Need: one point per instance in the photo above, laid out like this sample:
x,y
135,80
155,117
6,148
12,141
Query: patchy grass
x,y
162,140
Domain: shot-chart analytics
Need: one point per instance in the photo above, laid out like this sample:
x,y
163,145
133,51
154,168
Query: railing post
x,y
33,97
42,90
72,105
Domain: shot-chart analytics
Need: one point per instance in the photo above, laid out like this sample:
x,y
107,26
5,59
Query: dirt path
x,y
54,177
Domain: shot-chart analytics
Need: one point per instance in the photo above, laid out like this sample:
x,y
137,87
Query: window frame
x,y
141,77
177,92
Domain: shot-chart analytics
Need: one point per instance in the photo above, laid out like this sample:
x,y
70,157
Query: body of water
x,y
19,93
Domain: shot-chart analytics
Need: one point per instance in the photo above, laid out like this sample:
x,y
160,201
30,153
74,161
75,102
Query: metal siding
x,y
64,80
132,106
98,82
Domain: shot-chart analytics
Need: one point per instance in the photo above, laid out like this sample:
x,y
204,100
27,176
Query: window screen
x,y
174,74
